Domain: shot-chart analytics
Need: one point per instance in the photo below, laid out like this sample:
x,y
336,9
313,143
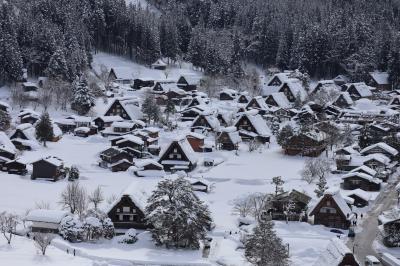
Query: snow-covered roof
x,y
46,216
381,78
280,99
111,118
6,144
185,146
296,88
192,79
6,105
359,193
326,85
131,138
258,122
143,163
230,92
382,146
363,89
339,200
123,72
333,254
52,160
211,120
362,176
159,63
366,169
346,96
378,157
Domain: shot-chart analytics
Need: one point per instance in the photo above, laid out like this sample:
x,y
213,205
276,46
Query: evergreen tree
x,y
179,218
73,173
284,135
44,129
264,247
5,120
169,108
278,182
394,62
150,108
57,67
321,186
83,98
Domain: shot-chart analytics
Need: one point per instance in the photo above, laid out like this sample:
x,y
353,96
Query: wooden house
x,y
121,165
343,100
189,82
355,180
159,65
16,167
338,254
361,198
306,144
191,113
113,155
46,221
50,168
121,75
258,103
377,161
149,168
341,80
381,148
133,145
128,210
243,98
332,211
205,123
290,206
142,83
196,141
277,99
252,127
5,107
358,90
28,116
278,79
7,148
23,137
105,121
122,128
379,80
178,155
395,100
227,95
127,108
228,139
224,119
200,185
325,85
292,90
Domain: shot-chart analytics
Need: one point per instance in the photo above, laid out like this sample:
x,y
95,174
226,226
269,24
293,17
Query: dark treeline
x,y
323,38
56,37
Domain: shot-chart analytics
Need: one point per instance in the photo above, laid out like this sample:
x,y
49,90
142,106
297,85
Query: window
x,y
131,218
178,156
327,210
175,150
126,209
355,181
171,156
328,203
121,217
118,210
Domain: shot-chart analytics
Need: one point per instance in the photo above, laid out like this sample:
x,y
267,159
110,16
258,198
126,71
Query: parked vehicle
x,y
372,261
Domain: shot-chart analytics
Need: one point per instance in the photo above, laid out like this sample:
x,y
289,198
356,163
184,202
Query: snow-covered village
x,y
199,133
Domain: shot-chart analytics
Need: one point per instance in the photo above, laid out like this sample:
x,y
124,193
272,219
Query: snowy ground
x,y
238,175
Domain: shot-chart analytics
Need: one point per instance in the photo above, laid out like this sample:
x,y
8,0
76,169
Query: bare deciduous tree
x,y
74,198
8,223
42,241
45,205
96,197
315,168
242,206
252,204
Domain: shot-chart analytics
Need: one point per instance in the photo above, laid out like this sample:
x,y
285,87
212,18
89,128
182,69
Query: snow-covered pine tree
x,y
108,228
264,247
179,218
321,186
284,135
44,129
93,228
151,109
83,98
278,182
169,109
394,62
5,120
57,67
73,173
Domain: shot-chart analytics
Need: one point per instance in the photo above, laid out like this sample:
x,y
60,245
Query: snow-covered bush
x,y
73,173
130,237
108,228
71,229
93,228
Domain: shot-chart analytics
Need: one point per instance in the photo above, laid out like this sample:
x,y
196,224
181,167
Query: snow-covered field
x,y
238,175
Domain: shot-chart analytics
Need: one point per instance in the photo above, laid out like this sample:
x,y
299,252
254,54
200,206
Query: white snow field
x,y
238,175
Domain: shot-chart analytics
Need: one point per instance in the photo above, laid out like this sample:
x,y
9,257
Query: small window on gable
x,y
126,209
328,203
